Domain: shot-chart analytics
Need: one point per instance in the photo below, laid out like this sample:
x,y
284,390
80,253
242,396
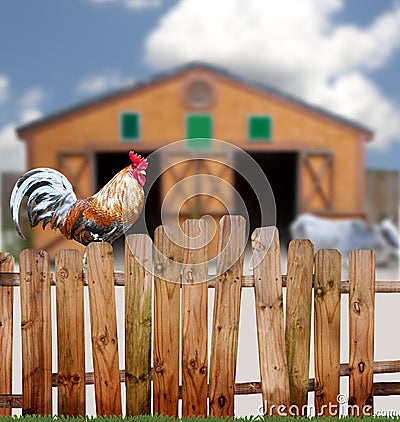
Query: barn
x,y
313,159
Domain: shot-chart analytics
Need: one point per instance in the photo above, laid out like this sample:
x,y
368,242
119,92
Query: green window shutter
x,y
129,126
199,130
260,128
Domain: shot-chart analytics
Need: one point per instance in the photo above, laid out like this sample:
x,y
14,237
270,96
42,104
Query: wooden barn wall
x,y
163,120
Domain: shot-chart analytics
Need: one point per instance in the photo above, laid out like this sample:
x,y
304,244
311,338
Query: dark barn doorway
x,y
280,169
107,164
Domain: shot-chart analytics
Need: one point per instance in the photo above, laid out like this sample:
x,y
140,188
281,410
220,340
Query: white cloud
x,y
4,86
293,45
355,96
23,110
96,84
133,4
12,151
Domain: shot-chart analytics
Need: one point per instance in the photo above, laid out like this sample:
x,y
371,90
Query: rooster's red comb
x,y
136,158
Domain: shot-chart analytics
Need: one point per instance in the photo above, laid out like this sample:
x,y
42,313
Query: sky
x,y
342,56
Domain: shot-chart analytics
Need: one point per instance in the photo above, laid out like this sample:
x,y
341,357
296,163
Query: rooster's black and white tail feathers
x,y
50,197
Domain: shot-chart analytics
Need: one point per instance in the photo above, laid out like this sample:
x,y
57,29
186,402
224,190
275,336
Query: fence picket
x,y
361,331
6,330
70,333
138,290
104,328
167,270
270,322
298,318
36,332
194,319
327,329
228,289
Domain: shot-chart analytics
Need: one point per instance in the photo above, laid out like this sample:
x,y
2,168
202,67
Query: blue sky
x,y
343,56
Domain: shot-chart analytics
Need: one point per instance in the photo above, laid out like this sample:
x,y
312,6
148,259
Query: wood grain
x,y
194,319
270,321
104,329
6,330
361,330
327,329
36,332
298,318
167,279
226,317
138,291
70,333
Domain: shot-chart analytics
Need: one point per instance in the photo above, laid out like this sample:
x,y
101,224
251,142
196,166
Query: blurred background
x,y
310,89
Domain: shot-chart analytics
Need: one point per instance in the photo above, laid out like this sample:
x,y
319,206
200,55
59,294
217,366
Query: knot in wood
x,y
193,363
351,401
189,277
160,267
158,369
356,307
203,370
63,273
221,401
75,379
103,340
361,366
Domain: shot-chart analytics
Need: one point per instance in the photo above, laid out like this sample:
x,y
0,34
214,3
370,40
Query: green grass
x,y
194,419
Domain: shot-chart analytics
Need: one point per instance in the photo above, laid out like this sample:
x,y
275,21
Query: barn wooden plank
x,y
138,291
228,288
298,318
36,332
104,329
167,278
6,330
327,329
194,319
70,333
270,320
361,331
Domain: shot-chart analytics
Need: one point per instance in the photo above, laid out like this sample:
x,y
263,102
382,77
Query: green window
x,y
199,130
129,126
260,128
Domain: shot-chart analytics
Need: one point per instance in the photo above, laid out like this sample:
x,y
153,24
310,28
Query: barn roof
x,y
184,68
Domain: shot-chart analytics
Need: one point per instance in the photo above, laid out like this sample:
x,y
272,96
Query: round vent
x,y
199,93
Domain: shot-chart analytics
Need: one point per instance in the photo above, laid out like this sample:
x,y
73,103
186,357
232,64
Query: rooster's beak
x,y
143,172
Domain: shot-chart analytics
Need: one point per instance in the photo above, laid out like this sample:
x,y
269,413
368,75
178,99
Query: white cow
x,y
347,235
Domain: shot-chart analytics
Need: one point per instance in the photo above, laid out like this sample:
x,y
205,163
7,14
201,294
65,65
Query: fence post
x,y
270,322
327,284
194,319
298,318
228,289
138,289
104,329
167,280
70,333
361,331
36,332
6,330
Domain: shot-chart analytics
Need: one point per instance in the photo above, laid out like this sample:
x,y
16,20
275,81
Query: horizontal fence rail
x,y
168,358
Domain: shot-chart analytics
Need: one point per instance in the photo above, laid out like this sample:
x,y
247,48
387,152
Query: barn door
x,y
76,168
194,186
316,175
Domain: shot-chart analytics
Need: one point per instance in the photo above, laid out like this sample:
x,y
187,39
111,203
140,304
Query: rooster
x,y
103,217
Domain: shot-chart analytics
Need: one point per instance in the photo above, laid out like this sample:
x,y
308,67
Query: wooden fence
x,y
166,331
